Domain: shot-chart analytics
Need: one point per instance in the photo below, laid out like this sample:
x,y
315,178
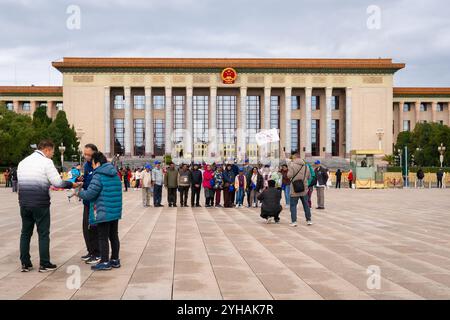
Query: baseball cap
x,y
317,162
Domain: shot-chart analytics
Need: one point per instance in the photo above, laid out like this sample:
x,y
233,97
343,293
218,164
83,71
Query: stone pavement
x,y
185,253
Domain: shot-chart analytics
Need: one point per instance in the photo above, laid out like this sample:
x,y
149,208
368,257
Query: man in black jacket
x,y
196,184
338,178
271,207
439,176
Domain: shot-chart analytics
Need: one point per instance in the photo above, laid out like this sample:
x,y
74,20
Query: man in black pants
x,y
90,233
196,181
338,178
35,175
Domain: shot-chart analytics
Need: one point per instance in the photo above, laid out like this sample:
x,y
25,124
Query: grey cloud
x,y
412,31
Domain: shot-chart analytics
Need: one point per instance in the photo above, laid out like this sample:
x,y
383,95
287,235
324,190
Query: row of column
x,y
241,141
34,106
417,111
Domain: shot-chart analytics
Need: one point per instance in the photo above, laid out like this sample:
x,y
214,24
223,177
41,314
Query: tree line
x,y
19,133
423,143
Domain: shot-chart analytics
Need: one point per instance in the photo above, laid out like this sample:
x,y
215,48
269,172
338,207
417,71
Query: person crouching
x,y
270,199
105,197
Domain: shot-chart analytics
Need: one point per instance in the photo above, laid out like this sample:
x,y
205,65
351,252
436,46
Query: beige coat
x,y
146,179
293,167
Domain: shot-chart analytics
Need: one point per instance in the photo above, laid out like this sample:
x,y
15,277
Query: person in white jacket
x,y
146,183
35,174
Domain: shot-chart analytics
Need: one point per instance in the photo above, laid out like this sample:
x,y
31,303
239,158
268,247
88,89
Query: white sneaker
x,y
269,220
254,205
293,224
309,223
237,206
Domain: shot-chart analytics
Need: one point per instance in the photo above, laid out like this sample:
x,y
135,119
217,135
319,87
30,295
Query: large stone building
x,y
212,108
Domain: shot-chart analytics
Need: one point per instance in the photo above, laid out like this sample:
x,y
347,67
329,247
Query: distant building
x,y
212,108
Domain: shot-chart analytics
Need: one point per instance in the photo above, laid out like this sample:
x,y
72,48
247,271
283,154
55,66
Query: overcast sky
x,y
34,32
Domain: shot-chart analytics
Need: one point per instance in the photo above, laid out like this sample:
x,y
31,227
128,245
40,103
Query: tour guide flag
x,y
267,136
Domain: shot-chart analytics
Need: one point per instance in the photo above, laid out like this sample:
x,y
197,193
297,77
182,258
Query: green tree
x,y
61,132
423,143
41,122
16,135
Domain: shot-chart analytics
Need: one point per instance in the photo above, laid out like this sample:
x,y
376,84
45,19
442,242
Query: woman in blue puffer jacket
x,y
105,197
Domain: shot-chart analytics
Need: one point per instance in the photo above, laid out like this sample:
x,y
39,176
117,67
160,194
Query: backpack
x,y
312,181
298,185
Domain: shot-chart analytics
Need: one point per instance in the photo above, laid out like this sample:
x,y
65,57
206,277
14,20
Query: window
x,y
200,118
406,107
295,136
441,122
178,117
335,138
159,137
159,102
59,106
295,102
26,106
10,106
406,125
139,102
253,118
275,112
440,107
423,107
139,137
119,102
315,103
315,138
119,136
335,103
226,119
42,104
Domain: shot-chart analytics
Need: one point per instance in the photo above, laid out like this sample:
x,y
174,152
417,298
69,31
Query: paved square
x,y
182,253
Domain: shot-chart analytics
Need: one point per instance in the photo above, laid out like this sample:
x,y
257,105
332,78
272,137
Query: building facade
x,y
25,100
209,108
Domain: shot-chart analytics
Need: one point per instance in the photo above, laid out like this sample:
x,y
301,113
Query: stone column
x,y
348,121
267,93
433,111
328,119
417,111
148,122
169,122
400,116
448,113
212,125
308,95
33,107
242,131
188,139
287,125
128,122
107,122
16,106
50,107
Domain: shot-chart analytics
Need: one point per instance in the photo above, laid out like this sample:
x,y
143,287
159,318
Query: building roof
x,y
99,64
421,92
31,90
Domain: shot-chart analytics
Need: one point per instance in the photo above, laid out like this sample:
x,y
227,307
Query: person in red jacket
x,y
350,178
208,181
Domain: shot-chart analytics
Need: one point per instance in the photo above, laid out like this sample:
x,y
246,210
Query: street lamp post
x,y
62,148
80,134
441,150
380,134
